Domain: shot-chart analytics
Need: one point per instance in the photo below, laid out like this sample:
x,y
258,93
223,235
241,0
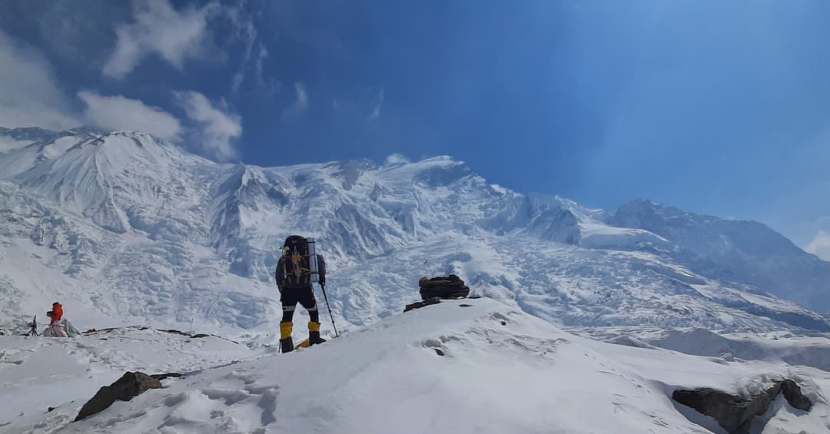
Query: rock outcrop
x,y
130,385
736,413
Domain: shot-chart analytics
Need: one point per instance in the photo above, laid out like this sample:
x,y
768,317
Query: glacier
x,y
610,310
124,228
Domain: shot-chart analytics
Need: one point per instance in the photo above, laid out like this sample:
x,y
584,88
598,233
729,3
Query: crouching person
x,y
59,327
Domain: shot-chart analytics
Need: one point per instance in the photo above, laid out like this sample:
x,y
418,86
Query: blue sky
x,y
714,106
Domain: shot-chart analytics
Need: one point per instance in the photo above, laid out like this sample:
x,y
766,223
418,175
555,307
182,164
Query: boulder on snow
x,y
130,385
735,413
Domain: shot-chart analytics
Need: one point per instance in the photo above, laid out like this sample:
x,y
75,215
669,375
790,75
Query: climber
x,y
55,329
59,327
57,311
297,269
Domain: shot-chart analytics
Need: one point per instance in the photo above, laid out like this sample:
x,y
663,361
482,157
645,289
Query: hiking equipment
x,y
443,287
55,330
325,297
299,266
33,327
70,329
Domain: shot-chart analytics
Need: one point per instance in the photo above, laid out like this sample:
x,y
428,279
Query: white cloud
x,y
218,128
300,104
29,95
820,246
246,32
160,29
120,113
378,105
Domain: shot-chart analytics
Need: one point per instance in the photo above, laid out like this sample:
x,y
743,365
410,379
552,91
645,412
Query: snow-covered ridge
x,y
469,366
125,228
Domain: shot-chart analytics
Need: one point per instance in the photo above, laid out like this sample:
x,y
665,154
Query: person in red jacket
x,y
55,329
57,312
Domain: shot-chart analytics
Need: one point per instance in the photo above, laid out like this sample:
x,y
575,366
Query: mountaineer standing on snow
x,y
297,269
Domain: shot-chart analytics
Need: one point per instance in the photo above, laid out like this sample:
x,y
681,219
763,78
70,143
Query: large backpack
x,y
299,265
443,287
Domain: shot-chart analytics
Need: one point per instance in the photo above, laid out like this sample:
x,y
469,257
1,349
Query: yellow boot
x,y
314,333
286,343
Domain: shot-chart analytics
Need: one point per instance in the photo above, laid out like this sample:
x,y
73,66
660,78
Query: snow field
x,y
466,366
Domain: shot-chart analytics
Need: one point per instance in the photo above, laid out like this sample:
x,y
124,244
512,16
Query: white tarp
x,y
62,329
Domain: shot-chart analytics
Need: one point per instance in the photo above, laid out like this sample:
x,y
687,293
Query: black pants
x,y
289,297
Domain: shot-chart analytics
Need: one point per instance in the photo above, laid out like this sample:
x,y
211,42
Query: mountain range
x,y
124,228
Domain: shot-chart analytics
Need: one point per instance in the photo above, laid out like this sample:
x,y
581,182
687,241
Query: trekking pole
x,y
33,327
325,297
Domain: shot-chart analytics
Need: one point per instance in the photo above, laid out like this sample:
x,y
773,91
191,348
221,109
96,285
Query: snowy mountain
x,y
582,308
469,366
734,250
126,229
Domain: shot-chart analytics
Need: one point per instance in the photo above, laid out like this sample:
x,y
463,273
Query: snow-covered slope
x,y
735,250
471,366
125,229
37,373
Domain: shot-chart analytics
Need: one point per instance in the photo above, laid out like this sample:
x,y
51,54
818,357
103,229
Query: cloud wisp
x,y
378,105
250,68
29,93
158,28
820,246
218,127
300,105
120,113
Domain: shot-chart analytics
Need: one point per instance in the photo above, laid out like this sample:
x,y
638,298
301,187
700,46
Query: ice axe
x,y
328,306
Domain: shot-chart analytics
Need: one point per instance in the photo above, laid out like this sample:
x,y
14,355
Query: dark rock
x,y
444,287
736,413
130,385
181,333
167,375
792,393
420,304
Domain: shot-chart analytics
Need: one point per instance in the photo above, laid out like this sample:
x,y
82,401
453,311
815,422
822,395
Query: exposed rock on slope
x,y
450,365
130,385
736,414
